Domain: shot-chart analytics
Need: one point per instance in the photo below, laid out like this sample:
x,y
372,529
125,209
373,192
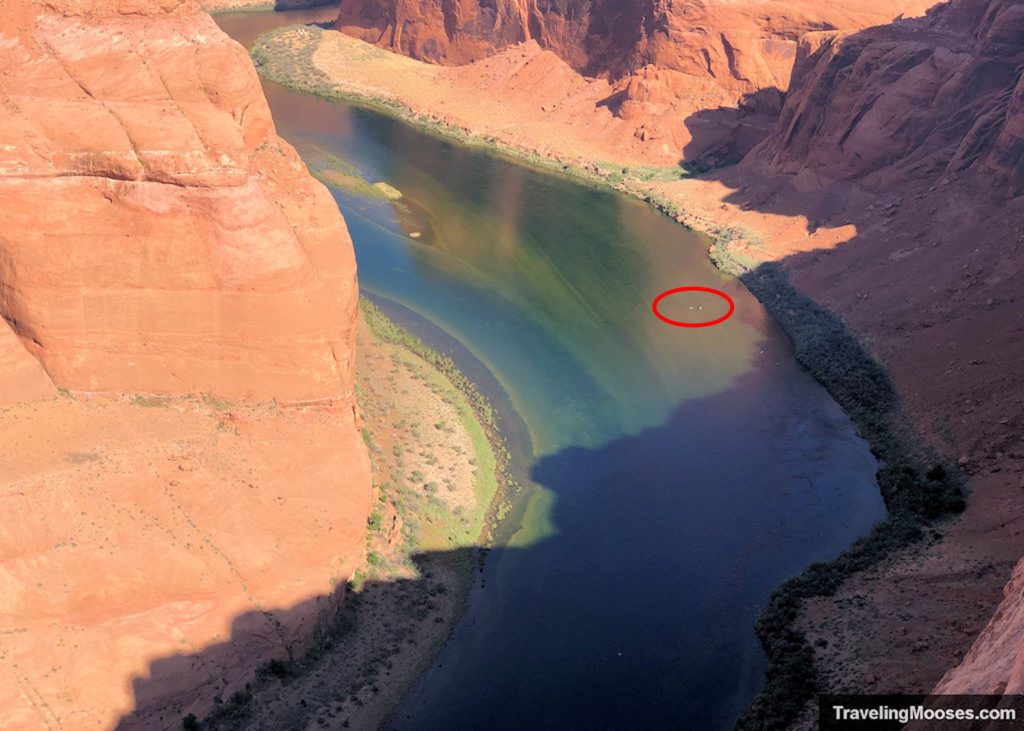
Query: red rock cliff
x,y
903,146
159,236
742,47
928,116
924,99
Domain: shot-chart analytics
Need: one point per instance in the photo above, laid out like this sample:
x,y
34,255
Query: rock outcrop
x,y
926,99
995,664
749,44
894,178
158,236
160,239
23,377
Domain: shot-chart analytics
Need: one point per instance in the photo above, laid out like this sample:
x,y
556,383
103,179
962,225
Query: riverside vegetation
x,y
285,56
918,489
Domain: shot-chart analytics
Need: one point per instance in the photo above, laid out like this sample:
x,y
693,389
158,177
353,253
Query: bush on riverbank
x,y
421,549
917,488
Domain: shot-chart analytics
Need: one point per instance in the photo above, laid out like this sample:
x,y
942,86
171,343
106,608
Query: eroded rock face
x,y
159,236
23,377
707,76
743,47
918,100
906,142
995,664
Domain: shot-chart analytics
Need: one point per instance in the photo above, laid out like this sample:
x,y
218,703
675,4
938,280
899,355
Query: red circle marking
x,y
709,323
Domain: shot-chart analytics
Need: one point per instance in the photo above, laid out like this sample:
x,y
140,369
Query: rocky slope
x,y
160,239
865,106
666,60
891,186
911,138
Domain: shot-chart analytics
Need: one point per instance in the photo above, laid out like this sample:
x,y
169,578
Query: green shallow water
x,y
676,475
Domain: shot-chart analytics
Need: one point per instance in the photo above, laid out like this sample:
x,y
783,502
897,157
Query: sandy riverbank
x,y
863,635
435,475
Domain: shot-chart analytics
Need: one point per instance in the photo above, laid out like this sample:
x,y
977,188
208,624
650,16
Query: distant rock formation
x,y
709,53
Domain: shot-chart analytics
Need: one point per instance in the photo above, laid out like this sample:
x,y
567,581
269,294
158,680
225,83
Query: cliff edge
x,y
892,188
192,503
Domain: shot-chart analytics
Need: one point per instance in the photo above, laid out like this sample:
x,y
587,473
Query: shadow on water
x,y
683,566
657,605
284,5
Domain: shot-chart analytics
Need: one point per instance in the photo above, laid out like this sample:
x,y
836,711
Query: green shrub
x,y
916,488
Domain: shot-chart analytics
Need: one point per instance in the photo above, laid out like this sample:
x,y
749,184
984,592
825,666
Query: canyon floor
x,y
901,625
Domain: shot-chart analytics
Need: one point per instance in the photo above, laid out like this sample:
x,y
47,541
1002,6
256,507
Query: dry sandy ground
x,y
525,96
400,611
947,339
152,547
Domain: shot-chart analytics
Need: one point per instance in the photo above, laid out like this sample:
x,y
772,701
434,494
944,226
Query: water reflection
x,y
527,258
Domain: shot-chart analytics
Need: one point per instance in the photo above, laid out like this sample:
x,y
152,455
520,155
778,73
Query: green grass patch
x,y
724,250
615,173
217,404
334,172
436,522
150,402
387,330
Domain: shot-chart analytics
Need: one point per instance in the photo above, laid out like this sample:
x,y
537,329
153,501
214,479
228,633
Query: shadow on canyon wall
x,y
927,273
722,136
678,525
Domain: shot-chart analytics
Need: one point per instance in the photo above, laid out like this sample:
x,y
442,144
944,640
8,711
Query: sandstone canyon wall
x,y
914,100
159,236
903,145
663,57
160,239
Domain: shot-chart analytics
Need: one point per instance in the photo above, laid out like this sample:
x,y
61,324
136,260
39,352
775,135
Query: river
x,y
676,476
